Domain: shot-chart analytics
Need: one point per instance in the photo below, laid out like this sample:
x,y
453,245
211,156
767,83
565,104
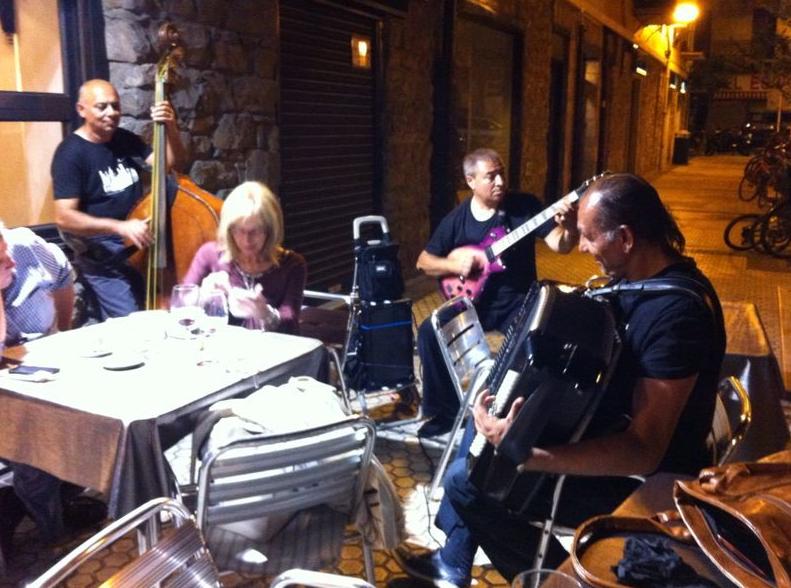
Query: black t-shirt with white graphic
x,y
104,176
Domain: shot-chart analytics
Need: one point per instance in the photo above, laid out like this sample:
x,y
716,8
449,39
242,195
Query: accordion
x,y
558,353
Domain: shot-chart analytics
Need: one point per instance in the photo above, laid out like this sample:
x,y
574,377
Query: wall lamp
x,y
640,68
361,51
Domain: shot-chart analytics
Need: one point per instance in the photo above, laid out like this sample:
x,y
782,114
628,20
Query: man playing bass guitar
x,y
490,208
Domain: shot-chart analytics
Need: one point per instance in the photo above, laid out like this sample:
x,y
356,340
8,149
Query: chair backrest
x,y
461,339
732,417
262,475
176,553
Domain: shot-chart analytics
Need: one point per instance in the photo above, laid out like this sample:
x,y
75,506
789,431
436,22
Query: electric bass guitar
x,y
497,242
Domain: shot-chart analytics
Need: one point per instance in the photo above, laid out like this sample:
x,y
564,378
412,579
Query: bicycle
x,y
769,232
765,174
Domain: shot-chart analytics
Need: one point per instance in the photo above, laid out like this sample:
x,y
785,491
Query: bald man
x,y
96,180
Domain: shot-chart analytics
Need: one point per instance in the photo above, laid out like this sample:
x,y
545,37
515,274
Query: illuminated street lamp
x,y
685,13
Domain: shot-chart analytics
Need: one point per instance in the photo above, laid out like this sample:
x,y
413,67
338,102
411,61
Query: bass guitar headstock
x,y
587,183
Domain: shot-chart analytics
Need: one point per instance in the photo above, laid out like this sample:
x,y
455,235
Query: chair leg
x,y
333,354
546,528
368,557
447,452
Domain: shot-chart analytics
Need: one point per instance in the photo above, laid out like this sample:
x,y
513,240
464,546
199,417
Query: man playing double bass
x,y
96,180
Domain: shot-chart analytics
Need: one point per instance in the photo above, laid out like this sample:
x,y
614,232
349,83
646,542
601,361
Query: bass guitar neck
x,y
497,242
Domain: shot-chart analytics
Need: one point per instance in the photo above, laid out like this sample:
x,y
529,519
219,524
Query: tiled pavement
x,y
703,198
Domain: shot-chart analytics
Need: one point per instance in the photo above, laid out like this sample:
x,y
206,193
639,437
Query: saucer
x,y
122,362
98,352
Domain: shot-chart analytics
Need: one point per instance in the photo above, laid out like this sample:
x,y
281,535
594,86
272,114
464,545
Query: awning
x,y
741,94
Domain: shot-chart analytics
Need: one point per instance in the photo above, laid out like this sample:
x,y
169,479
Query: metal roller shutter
x,y
327,136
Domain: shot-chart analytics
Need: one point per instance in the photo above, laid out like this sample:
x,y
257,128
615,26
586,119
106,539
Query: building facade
x,y
365,106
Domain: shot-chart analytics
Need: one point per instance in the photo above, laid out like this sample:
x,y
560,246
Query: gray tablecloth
x,y
101,428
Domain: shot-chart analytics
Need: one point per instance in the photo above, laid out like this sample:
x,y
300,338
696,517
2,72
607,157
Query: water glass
x,y
215,307
185,310
545,579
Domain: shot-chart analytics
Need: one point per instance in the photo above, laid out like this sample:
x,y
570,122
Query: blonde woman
x,y
263,281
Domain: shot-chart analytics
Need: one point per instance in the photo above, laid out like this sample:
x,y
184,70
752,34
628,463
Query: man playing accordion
x,y
665,384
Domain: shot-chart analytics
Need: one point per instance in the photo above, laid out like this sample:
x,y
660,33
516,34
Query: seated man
x,y
490,208
37,299
665,382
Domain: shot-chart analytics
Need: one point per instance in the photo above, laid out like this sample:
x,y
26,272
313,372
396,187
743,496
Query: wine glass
x,y
215,309
185,310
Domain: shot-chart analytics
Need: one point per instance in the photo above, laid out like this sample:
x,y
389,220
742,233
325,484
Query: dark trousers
x,y
40,493
438,395
471,519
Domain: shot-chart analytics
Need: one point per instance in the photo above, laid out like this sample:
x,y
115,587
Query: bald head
x,y
89,88
99,105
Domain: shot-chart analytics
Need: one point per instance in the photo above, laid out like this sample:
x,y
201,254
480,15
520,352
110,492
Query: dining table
x,y
750,358
121,387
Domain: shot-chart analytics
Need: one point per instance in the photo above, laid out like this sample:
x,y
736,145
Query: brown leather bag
x,y
740,516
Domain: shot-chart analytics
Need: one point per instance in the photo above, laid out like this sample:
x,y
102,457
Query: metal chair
x,y
732,418
297,577
176,554
305,487
465,350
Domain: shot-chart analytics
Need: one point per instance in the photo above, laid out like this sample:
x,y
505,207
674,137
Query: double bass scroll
x,y
181,227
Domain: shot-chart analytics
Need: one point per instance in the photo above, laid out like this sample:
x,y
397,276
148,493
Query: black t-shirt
x,y
104,176
670,335
503,291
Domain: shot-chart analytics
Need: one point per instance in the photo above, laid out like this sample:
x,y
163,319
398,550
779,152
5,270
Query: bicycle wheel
x,y
776,232
740,234
747,189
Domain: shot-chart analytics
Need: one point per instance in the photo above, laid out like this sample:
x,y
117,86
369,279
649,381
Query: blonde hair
x,y
251,199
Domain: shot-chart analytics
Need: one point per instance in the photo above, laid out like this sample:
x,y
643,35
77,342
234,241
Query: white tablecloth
x,y
100,428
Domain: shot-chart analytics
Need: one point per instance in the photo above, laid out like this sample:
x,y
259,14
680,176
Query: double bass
x,y
179,227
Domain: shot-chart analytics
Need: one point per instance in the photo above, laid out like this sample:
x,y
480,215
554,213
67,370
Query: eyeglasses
x,y
244,232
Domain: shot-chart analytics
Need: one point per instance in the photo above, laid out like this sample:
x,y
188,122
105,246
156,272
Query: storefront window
x,y
483,92
30,56
27,148
31,71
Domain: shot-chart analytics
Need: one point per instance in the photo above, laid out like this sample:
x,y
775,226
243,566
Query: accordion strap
x,y
689,286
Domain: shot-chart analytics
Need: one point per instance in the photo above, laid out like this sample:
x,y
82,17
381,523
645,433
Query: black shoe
x,y
430,568
438,425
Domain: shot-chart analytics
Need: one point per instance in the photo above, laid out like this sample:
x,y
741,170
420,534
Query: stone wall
x,y
226,97
410,50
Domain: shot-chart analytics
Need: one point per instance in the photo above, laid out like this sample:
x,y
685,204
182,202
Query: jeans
x,y
470,519
116,290
40,493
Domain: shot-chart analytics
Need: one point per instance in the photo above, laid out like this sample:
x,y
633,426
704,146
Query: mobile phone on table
x,y
28,370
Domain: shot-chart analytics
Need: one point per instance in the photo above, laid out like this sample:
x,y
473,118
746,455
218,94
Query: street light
x,y
685,13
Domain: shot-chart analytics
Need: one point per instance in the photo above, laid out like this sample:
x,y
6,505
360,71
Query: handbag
x,y
738,515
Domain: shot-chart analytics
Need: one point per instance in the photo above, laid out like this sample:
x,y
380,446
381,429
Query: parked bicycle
x,y
766,173
769,232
